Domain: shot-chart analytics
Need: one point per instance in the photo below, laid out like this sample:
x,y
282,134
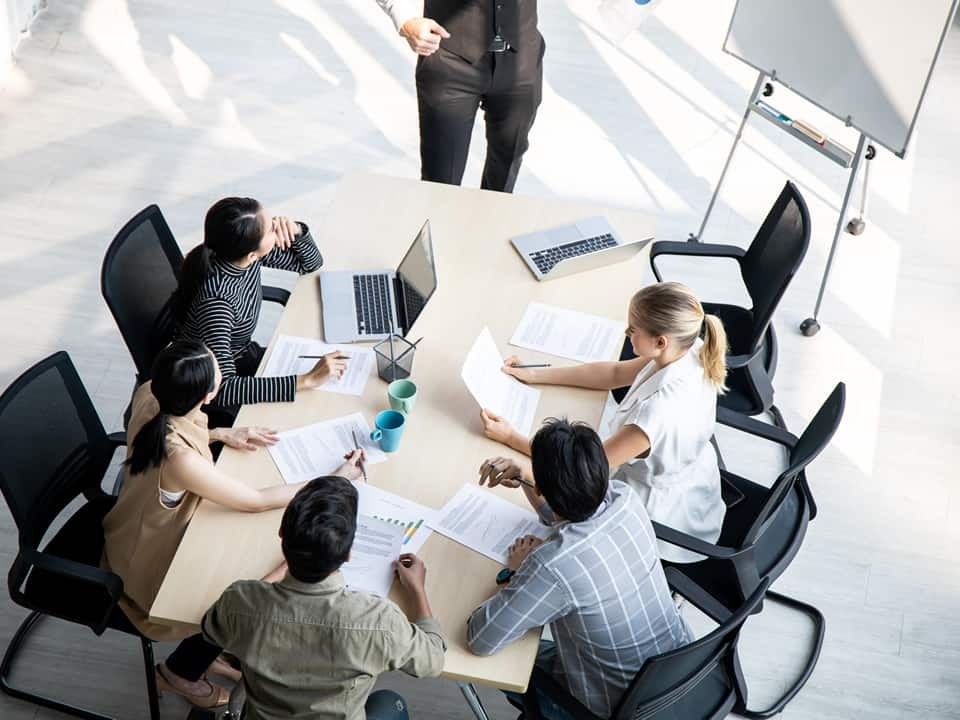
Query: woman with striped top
x,y
219,296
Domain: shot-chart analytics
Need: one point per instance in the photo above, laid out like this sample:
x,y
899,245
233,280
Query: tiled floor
x,y
113,105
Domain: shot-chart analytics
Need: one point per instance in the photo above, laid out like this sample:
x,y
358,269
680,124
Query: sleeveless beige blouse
x,y
141,534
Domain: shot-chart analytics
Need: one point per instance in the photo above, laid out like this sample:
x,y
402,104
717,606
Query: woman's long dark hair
x,y
183,374
232,229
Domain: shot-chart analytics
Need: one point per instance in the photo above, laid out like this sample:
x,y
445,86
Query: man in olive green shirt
x,y
309,647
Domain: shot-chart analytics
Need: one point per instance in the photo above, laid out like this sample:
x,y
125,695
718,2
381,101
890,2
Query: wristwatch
x,y
503,577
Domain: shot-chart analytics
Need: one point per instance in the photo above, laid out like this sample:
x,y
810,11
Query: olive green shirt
x,y
314,650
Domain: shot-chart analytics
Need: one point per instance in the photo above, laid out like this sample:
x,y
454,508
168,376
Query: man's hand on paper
x,y
423,35
521,547
351,468
500,471
245,438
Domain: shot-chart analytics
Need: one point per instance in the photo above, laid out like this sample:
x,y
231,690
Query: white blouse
x,y
679,479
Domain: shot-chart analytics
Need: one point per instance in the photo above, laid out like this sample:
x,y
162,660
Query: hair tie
x,y
703,326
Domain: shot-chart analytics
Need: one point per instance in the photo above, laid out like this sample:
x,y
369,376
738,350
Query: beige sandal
x,y
222,667
216,697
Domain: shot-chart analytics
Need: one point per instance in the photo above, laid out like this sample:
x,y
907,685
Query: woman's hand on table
x,y
245,438
525,375
332,365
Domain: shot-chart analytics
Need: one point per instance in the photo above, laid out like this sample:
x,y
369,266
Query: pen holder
x,y
394,358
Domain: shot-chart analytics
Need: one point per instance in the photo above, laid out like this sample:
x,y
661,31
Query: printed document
x,y
486,523
285,360
414,519
318,449
375,546
568,333
495,390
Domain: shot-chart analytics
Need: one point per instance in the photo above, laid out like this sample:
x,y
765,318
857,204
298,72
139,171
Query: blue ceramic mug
x,y
389,428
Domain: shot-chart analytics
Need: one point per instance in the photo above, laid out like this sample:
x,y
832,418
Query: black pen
x,y
317,357
530,366
363,469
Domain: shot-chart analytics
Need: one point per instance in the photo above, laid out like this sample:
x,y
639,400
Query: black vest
x,y
472,24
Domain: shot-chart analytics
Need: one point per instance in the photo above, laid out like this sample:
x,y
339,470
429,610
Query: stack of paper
x,y
319,449
285,360
568,333
414,519
375,547
495,390
486,523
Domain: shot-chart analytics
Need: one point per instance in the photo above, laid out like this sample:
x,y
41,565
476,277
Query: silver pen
x,y
356,442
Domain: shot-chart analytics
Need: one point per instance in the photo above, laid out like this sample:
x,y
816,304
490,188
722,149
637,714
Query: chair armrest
x,y
696,595
108,581
692,249
275,294
541,679
688,542
117,439
734,362
743,423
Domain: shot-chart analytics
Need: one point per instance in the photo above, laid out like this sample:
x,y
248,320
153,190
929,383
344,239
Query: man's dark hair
x,y
570,468
318,526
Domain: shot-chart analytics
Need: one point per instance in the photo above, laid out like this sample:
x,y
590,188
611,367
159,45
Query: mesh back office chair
x,y
763,532
699,681
54,449
767,268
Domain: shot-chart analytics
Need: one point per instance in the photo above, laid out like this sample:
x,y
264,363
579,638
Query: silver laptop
x,y
584,245
359,306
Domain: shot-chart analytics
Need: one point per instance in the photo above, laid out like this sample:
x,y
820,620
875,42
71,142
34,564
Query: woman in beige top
x,y
169,470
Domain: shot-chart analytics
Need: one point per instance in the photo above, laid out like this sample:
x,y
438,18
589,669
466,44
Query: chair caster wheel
x,y
809,327
856,226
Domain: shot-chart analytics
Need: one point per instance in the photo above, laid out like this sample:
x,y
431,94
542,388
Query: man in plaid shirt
x,y
597,580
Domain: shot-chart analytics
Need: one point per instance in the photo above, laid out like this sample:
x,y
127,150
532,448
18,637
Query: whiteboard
x,y
865,61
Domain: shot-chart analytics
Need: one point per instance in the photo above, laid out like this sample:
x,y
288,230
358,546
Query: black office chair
x,y
766,267
699,681
137,279
53,449
763,532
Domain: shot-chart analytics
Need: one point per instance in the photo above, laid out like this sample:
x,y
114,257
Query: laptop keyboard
x,y
372,297
547,258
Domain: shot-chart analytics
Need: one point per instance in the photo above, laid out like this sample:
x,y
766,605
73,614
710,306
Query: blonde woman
x,y
659,438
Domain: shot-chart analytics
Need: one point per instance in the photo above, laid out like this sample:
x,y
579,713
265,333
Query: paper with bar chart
x,y
415,519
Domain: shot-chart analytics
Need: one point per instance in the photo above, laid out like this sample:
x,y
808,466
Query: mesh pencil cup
x,y
394,358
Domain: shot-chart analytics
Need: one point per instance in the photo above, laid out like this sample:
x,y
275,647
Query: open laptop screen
x,y
416,278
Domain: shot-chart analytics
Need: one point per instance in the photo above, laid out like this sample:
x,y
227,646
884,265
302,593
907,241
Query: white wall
x,y
15,15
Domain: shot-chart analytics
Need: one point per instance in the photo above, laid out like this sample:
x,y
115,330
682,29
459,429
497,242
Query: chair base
x,y
14,647
819,627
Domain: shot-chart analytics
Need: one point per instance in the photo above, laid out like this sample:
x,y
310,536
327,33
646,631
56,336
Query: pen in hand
x,y
363,469
318,357
535,365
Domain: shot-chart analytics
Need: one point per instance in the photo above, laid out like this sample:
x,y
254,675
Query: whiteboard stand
x,y
846,158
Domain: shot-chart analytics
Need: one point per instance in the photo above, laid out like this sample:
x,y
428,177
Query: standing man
x,y
473,53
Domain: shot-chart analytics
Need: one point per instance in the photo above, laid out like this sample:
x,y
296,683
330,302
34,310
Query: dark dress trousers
x,y
464,75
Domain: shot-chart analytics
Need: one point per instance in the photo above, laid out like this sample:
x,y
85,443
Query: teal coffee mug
x,y
402,395
388,430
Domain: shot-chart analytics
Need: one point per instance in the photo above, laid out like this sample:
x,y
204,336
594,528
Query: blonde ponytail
x,y
671,309
713,354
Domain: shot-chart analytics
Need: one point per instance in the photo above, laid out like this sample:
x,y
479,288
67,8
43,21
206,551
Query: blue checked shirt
x,y
600,587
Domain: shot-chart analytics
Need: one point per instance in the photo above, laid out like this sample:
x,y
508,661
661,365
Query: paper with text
x,y
375,547
313,450
568,333
486,523
285,360
414,519
495,390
